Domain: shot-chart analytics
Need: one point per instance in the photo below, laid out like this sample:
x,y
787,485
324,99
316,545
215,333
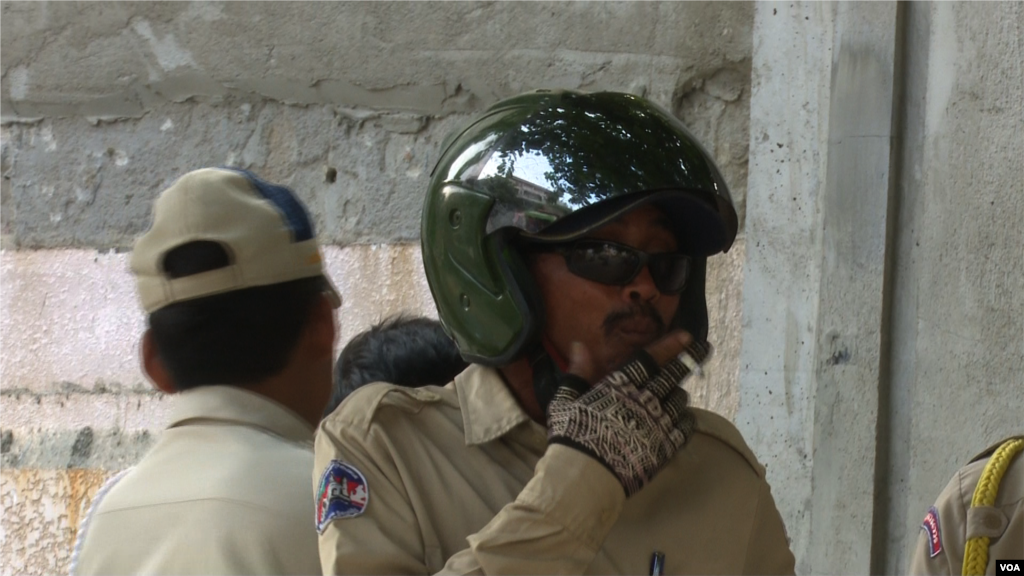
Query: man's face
x,y
613,322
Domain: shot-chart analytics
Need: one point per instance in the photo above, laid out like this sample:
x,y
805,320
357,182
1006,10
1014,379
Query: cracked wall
x,y
105,104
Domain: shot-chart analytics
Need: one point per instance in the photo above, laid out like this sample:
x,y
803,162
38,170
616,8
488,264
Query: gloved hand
x,y
634,419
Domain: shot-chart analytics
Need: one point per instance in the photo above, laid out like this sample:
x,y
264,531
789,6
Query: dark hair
x,y
238,338
402,350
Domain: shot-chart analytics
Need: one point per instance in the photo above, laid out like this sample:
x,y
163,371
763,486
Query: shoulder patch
x,y
720,428
930,525
343,493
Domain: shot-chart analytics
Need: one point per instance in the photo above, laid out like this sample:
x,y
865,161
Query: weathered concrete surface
x,y
789,117
717,390
851,337
67,183
93,444
881,332
366,90
72,184
70,320
813,377
717,110
118,60
42,509
958,323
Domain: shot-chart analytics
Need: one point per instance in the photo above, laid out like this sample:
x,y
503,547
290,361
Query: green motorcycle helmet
x,y
551,166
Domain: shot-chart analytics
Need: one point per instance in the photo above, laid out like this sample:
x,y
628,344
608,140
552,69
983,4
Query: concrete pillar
x,y
957,327
789,111
851,353
815,309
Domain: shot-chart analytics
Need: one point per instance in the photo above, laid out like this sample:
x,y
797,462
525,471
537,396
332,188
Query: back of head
x,y
236,338
229,272
406,351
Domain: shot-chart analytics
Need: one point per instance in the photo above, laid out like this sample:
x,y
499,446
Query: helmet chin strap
x,y
547,365
559,360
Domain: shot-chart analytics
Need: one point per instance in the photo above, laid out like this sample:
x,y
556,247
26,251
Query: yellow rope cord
x,y
976,551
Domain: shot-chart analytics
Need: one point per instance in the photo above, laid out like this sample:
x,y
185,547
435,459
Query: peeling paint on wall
x,y
42,510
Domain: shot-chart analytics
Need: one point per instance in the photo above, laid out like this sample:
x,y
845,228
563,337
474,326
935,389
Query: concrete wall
x,y
883,340
957,372
104,104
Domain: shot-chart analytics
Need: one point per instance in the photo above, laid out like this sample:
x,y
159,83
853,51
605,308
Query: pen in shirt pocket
x,y
657,563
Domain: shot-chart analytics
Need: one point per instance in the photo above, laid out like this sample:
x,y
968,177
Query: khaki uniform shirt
x,y
460,480
225,490
952,522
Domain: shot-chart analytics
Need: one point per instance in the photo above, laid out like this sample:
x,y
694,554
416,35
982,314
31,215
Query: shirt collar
x,y
240,406
489,410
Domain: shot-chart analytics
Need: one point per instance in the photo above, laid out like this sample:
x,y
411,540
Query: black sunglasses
x,y
617,264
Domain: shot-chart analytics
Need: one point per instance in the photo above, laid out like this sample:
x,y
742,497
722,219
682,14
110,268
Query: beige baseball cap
x,y
263,227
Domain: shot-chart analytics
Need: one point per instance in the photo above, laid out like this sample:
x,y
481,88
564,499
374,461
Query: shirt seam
x,y
271,416
188,501
213,421
750,535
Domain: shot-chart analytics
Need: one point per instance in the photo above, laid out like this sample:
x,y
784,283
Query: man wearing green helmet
x,y
565,237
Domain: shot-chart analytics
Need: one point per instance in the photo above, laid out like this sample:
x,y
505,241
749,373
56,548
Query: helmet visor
x,y
575,153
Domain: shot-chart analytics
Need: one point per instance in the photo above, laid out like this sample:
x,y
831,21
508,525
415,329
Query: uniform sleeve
x,y
553,526
384,538
950,521
556,525
768,550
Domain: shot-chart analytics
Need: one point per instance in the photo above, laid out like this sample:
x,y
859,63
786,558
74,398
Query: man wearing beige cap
x,y
241,332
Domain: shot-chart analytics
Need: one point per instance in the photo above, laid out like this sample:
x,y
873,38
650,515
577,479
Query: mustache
x,y
638,310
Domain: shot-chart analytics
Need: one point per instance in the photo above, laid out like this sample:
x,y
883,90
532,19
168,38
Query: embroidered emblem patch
x,y
931,528
343,493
